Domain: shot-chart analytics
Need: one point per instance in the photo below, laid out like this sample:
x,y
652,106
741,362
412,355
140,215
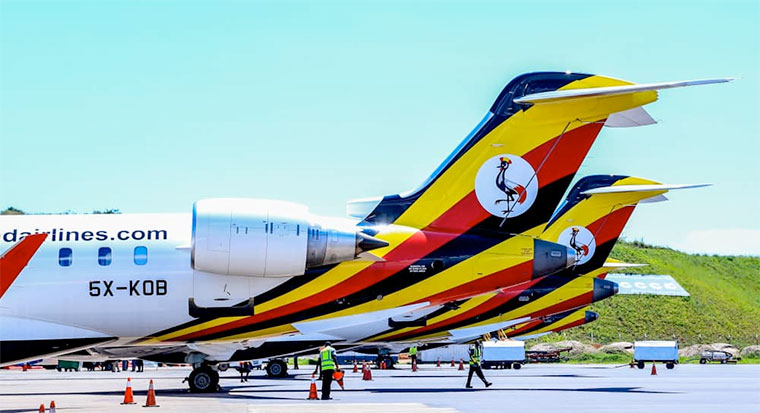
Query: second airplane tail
x,y
595,212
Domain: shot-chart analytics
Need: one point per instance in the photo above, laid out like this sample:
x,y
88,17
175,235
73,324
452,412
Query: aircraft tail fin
x,y
507,175
13,261
595,212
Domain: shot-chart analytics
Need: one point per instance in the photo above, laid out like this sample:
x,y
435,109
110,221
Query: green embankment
x,y
724,305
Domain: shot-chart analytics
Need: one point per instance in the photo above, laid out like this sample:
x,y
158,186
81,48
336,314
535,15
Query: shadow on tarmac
x,y
462,390
490,374
244,392
225,392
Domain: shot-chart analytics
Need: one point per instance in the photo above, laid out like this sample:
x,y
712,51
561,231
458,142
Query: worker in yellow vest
x,y
413,353
476,357
327,364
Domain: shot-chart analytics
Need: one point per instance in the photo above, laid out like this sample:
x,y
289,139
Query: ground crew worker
x,y
245,368
327,364
413,353
476,356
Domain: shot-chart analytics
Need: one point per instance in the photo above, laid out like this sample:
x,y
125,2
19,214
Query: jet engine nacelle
x,y
265,238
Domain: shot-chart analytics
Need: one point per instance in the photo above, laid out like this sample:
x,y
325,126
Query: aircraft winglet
x,y
569,94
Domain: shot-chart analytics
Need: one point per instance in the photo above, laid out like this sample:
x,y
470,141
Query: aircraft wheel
x,y
203,380
277,368
222,367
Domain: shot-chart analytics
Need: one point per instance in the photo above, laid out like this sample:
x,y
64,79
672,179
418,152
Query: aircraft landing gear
x,y
277,368
203,379
387,359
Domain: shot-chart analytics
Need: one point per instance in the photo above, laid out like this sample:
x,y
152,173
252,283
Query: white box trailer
x,y
445,354
503,354
654,351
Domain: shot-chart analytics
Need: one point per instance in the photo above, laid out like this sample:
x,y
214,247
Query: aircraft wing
x,y
463,335
358,326
49,340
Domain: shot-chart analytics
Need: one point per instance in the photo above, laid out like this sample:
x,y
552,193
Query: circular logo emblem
x,y
581,240
506,185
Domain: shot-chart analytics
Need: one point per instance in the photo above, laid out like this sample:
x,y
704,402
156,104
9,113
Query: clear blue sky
x,y
149,106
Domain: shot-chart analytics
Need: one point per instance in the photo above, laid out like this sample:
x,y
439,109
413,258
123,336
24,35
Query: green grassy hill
x,y
724,305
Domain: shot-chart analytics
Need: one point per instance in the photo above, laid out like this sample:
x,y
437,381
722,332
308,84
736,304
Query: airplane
x,y
237,274
590,220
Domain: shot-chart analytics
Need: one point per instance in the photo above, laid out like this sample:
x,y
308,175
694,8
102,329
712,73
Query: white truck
x,y
653,351
503,354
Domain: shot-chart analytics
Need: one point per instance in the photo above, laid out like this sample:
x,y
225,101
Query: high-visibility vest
x,y
413,351
327,360
475,355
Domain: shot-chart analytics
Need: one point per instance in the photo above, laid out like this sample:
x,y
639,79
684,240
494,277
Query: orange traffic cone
x,y
338,376
42,408
382,365
452,362
313,389
151,401
356,367
654,370
414,366
461,364
438,363
367,372
128,396
52,406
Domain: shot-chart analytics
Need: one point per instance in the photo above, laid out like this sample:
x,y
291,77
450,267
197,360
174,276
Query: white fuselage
x,y
140,288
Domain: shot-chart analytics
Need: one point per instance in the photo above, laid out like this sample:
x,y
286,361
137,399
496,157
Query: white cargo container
x,y
505,354
445,354
652,351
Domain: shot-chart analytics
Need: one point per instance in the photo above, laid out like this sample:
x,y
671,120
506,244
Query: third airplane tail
x,y
595,213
